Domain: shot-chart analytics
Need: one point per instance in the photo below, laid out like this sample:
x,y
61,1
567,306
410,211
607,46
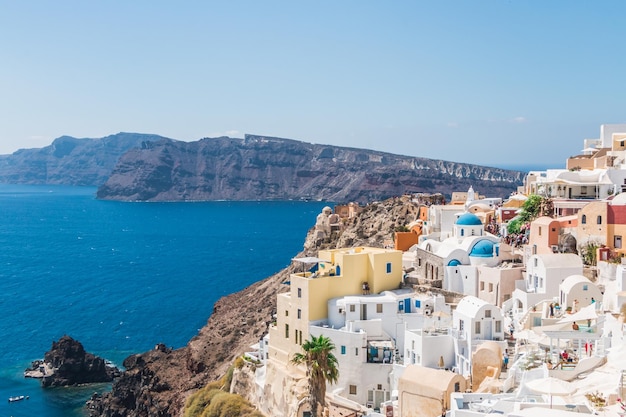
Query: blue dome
x,y
482,249
454,262
468,219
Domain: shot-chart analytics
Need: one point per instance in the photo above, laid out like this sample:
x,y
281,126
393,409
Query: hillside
x,y
261,168
70,161
156,383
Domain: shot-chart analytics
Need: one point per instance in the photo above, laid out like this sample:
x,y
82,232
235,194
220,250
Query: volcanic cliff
x,y
70,161
157,383
262,168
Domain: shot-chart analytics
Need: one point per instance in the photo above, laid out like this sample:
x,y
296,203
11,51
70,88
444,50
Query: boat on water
x,y
17,398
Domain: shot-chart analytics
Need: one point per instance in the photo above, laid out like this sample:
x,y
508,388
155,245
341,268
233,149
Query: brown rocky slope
x,y
157,383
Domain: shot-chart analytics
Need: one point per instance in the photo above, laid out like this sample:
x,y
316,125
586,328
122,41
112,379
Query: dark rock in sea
x,y
266,168
67,363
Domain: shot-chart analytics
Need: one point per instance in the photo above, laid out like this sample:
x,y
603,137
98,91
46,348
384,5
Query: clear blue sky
x,y
490,82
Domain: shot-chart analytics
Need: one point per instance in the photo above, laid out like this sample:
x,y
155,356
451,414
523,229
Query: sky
x,y
499,83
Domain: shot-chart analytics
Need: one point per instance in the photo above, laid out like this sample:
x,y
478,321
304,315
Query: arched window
x,y
584,219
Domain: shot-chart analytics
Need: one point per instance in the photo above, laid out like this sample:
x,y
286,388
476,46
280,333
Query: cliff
x,y
70,161
157,383
260,168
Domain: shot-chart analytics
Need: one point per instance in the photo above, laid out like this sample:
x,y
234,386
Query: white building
x,y
368,332
577,289
473,322
544,275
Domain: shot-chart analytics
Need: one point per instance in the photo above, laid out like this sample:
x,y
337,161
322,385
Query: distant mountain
x,y
69,160
268,168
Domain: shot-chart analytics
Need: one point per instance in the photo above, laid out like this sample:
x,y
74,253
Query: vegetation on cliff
x,y
214,400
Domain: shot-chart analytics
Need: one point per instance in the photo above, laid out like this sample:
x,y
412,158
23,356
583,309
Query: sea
x,y
121,277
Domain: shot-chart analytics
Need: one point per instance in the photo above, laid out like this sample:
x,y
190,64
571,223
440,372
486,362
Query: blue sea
x,y
121,277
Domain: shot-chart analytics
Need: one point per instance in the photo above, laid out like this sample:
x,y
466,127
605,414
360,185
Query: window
x,y
352,389
380,387
490,287
599,220
477,327
498,326
286,331
583,189
583,220
539,230
401,305
352,308
379,308
299,292
535,262
461,325
299,313
413,344
356,351
343,349
488,313
389,267
585,287
457,387
419,261
617,241
462,232
286,313
482,285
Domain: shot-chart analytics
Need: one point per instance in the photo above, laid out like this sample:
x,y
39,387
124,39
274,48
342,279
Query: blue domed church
x,y
455,261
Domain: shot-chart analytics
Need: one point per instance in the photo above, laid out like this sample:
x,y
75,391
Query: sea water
x,y
121,277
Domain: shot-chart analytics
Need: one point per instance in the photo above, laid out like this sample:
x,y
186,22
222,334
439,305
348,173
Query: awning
x,y
308,260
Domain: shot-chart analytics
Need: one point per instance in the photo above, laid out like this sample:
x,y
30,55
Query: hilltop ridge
x,y
268,168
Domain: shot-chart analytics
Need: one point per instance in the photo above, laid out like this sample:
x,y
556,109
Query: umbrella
x,y
589,150
551,386
585,313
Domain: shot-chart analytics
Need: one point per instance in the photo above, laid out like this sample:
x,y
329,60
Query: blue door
x,y
407,305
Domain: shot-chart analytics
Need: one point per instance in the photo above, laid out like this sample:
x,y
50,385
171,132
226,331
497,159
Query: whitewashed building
x,y
474,321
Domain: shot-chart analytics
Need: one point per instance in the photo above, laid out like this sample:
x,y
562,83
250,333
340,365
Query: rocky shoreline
x,y
158,382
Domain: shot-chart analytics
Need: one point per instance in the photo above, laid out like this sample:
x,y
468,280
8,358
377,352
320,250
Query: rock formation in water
x,y
67,363
157,383
70,161
261,168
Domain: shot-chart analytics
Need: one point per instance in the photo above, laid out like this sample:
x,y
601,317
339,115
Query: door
x,y
488,334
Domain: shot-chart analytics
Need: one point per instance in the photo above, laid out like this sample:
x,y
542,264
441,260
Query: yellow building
x,y
340,272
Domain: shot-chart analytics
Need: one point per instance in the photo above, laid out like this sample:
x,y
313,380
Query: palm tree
x,y
321,366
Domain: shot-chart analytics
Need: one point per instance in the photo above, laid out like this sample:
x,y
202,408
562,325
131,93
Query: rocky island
x,y
269,168
67,363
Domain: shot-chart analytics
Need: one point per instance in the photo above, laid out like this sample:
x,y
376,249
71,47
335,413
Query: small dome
x,y
454,262
468,219
482,249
